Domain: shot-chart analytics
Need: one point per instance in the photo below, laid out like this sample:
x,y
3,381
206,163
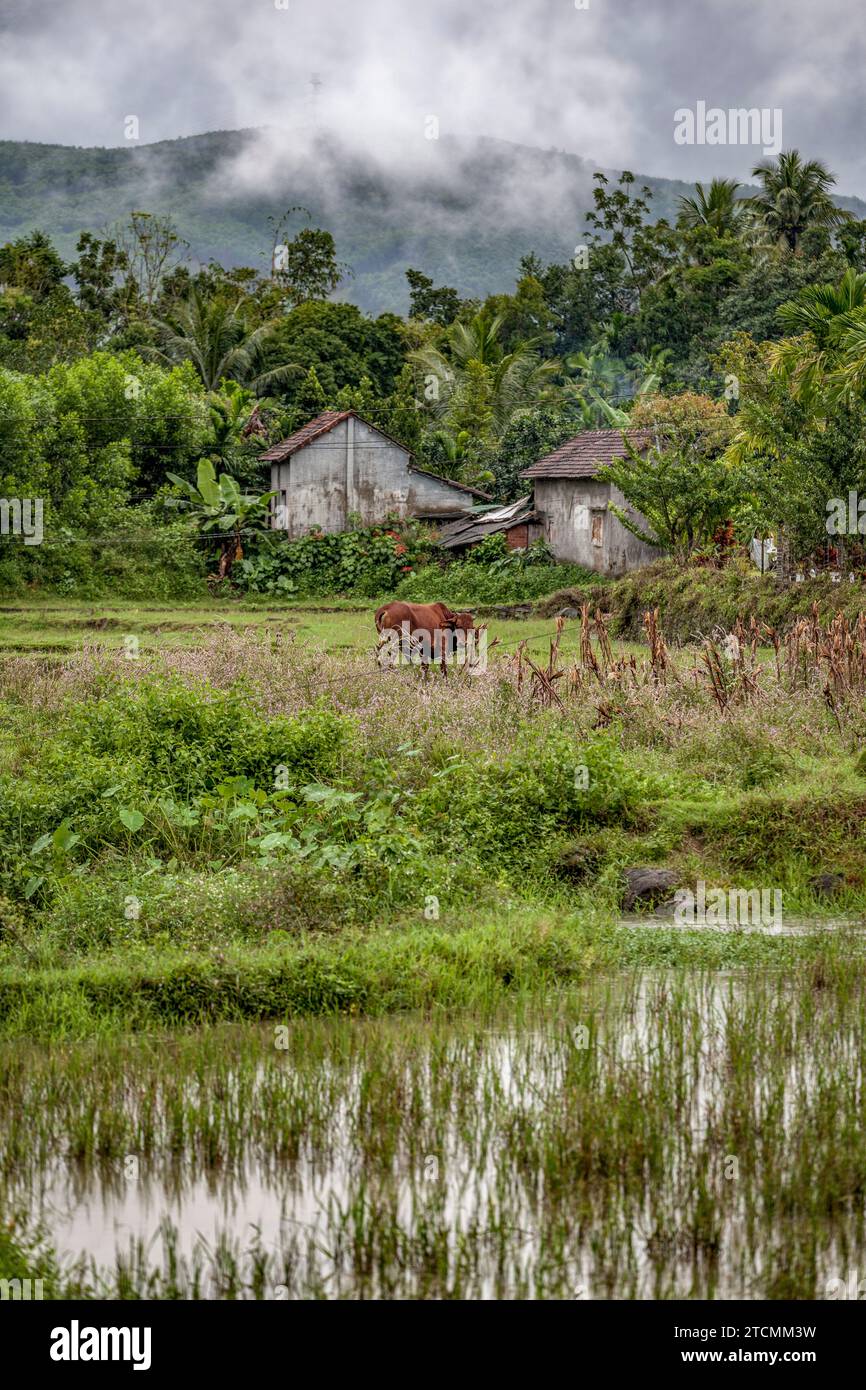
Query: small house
x,y
339,466
517,522
571,502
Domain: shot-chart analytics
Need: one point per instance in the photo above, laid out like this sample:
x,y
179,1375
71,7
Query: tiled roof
x,y
321,425
582,456
324,423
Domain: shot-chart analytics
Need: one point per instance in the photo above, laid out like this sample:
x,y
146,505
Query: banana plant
x,y
219,505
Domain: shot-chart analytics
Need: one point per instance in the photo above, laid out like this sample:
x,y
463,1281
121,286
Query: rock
x,y
647,886
827,885
568,613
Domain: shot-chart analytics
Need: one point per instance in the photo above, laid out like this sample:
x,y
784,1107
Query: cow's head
x,y
461,622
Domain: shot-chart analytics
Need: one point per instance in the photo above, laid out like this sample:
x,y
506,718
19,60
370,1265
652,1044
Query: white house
x,y
339,465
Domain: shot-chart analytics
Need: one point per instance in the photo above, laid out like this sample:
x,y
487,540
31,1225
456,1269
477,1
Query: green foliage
x,y
507,811
182,766
307,266
794,199
92,438
528,436
621,219
680,484
190,739
92,422
474,387
217,504
425,302
142,557
467,583
340,344
795,448
363,562
698,599
493,553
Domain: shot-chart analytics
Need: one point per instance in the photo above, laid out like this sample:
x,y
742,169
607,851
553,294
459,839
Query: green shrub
x,y
694,599
141,557
512,812
361,562
189,739
466,583
134,760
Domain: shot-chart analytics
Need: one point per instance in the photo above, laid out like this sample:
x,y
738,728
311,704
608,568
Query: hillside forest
x,y
736,329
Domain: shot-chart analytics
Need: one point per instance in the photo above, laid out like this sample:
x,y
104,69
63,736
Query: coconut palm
x,y
717,207
826,338
794,196
478,386
215,337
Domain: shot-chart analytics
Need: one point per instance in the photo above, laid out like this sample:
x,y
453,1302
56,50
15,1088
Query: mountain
x,y
463,212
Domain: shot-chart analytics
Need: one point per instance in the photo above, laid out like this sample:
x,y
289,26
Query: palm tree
x,y
478,386
849,378
717,207
215,337
824,326
795,195
598,378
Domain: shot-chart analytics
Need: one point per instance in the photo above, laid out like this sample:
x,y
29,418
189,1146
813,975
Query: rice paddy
x,y
416,1046
653,1135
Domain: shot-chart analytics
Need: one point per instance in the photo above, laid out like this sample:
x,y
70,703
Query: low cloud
x,y
602,82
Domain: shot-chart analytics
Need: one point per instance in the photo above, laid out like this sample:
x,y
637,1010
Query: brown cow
x,y
424,620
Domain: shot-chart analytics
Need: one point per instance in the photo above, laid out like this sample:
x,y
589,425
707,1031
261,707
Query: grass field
x,y
250,828
55,626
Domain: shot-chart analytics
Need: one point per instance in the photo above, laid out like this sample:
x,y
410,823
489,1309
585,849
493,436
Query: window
x,y
598,528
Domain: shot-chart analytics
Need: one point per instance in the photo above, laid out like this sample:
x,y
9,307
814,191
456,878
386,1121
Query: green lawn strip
x,y
370,972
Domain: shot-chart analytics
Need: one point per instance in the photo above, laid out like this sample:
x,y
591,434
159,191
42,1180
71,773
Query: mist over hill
x,y
462,211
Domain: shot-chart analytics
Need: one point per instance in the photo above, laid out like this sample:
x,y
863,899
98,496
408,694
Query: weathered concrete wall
x,y
581,531
353,469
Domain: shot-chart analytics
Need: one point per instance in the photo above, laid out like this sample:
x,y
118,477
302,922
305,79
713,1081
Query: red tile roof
x,y
321,425
582,456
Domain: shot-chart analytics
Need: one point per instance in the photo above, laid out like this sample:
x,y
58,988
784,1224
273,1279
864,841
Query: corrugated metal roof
x,y
582,456
488,522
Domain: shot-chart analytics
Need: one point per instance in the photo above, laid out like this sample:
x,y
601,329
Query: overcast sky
x,y
603,82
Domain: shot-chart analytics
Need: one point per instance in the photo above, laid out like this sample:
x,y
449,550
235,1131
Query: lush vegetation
x,y
229,839
252,826
733,333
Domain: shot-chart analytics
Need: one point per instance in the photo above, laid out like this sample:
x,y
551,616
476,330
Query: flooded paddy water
x,y
651,1135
